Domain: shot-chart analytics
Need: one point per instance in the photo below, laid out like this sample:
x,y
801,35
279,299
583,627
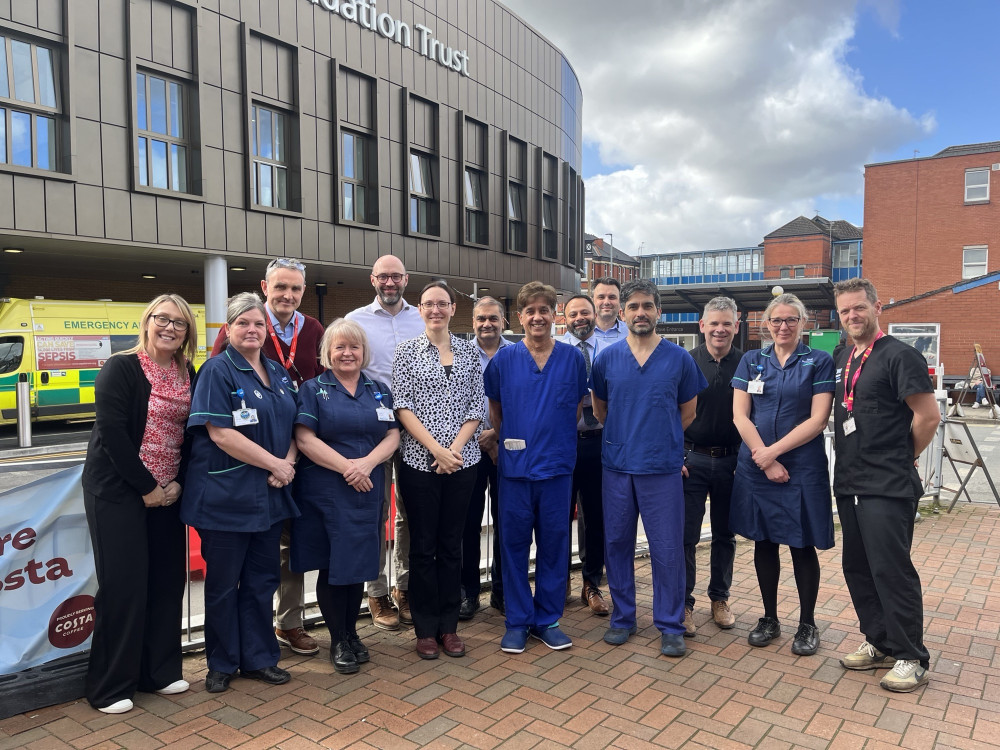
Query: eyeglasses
x,y
778,322
162,321
436,305
286,263
384,277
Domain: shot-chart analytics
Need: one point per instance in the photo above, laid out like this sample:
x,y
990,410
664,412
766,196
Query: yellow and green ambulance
x,y
58,346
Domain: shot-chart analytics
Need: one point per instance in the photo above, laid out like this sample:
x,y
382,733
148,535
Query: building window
x,y
517,235
550,200
924,337
977,185
358,178
269,146
29,104
476,221
846,255
423,194
973,261
161,111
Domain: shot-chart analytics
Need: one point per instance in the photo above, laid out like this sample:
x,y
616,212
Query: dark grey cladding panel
x,y
215,228
144,218
114,99
86,26
112,23
59,201
114,153
192,224
168,221
87,68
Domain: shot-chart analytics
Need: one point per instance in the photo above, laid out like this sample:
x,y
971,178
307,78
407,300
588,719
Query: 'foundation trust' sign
x,y
364,13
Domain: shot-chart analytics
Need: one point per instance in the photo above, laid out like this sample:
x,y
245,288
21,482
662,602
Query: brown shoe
x,y
403,605
452,645
689,628
298,640
722,615
593,597
427,648
384,617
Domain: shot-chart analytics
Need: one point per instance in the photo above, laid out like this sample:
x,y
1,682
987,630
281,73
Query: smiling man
x,y
580,314
292,340
645,392
606,293
885,415
711,447
535,390
388,321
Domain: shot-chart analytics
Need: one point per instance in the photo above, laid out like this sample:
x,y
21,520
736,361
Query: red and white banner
x,y
47,578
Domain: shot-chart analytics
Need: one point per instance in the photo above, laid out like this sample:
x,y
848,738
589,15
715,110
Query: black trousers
x,y
340,605
486,480
587,481
139,560
709,477
884,585
436,507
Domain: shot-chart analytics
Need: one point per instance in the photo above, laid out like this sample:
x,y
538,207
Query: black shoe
x,y
270,675
766,631
806,640
359,649
496,602
216,681
343,658
468,609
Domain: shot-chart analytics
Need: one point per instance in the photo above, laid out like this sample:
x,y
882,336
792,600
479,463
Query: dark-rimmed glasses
x,y
778,322
162,321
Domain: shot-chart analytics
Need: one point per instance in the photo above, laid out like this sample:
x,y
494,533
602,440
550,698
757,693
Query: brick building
x,y
602,259
930,223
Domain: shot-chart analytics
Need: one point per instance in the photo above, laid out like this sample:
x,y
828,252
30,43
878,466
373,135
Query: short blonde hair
x,y
783,299
343,329
187,350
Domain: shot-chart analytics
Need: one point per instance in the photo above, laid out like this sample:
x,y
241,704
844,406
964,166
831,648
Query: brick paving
x,y
722,694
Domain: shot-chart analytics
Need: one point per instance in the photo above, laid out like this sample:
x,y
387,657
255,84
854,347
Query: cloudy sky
x,y
709,123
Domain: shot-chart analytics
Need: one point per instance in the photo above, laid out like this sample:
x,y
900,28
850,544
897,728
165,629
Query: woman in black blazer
x,y
130,492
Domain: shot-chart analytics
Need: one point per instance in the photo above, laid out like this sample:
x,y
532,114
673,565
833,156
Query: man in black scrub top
x,y
885,415
711,446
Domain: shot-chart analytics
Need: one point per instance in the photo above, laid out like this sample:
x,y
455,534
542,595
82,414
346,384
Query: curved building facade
x,y
146,137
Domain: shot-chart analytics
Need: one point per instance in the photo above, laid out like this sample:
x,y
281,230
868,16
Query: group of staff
x,y
287,462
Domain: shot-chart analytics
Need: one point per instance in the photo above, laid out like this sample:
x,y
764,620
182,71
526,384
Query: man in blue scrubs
x,y
536,391
645,393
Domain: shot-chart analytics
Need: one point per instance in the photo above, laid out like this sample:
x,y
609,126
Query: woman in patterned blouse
x,y
143,397
437,387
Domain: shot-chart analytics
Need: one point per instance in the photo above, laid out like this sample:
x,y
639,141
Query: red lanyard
x,y
850,384
277,342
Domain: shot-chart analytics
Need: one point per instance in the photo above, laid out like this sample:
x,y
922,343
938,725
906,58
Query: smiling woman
x,y
134,459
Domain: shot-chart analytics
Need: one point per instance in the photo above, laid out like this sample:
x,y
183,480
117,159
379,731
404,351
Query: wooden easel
x,y
978,365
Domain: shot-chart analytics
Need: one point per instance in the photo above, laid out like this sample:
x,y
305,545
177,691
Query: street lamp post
x,y
611,253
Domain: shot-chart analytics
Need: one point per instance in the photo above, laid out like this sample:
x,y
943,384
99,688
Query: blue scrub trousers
x,y
659,499
540,506
242,570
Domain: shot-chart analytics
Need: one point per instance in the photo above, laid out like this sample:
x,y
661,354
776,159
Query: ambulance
x,y
58,346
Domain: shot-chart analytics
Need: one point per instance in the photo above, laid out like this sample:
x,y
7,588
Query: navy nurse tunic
x,y
220,492
338,528
799,512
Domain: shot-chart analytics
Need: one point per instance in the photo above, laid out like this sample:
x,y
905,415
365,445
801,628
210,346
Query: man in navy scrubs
x,y
645,393
885,414
536,390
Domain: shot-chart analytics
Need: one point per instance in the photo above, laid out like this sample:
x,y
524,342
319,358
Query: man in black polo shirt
x,y
711,445
885,415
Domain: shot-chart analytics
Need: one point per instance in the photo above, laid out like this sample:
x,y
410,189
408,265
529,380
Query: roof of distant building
x,y
596,247
800,226
967,149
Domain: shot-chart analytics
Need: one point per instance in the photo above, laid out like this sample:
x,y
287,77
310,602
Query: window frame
x,y
366,183
986,186
414,201
966,264
548,205
256,159
342,125
470,217
182,141
515,222
35,110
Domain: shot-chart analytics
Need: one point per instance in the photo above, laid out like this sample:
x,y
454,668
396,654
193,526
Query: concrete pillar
x,y
216,294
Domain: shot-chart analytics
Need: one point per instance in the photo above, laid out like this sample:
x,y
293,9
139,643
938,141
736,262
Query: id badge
x,y
755,387
385,414
849,426
243,417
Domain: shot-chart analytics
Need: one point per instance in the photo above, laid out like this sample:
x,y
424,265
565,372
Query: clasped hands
x,y
446,460
282,473
161,497
766,459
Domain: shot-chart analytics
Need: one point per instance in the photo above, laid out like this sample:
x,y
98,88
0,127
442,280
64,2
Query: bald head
x,y
389,278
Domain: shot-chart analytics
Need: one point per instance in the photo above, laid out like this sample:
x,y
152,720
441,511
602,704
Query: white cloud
x,y
735,115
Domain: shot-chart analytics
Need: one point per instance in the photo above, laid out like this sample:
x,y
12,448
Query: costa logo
x,y
72,622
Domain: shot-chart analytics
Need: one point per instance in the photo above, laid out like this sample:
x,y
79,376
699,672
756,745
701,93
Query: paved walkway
x,y
723,694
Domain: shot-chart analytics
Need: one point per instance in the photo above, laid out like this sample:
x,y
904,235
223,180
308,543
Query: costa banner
x,y
47,578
